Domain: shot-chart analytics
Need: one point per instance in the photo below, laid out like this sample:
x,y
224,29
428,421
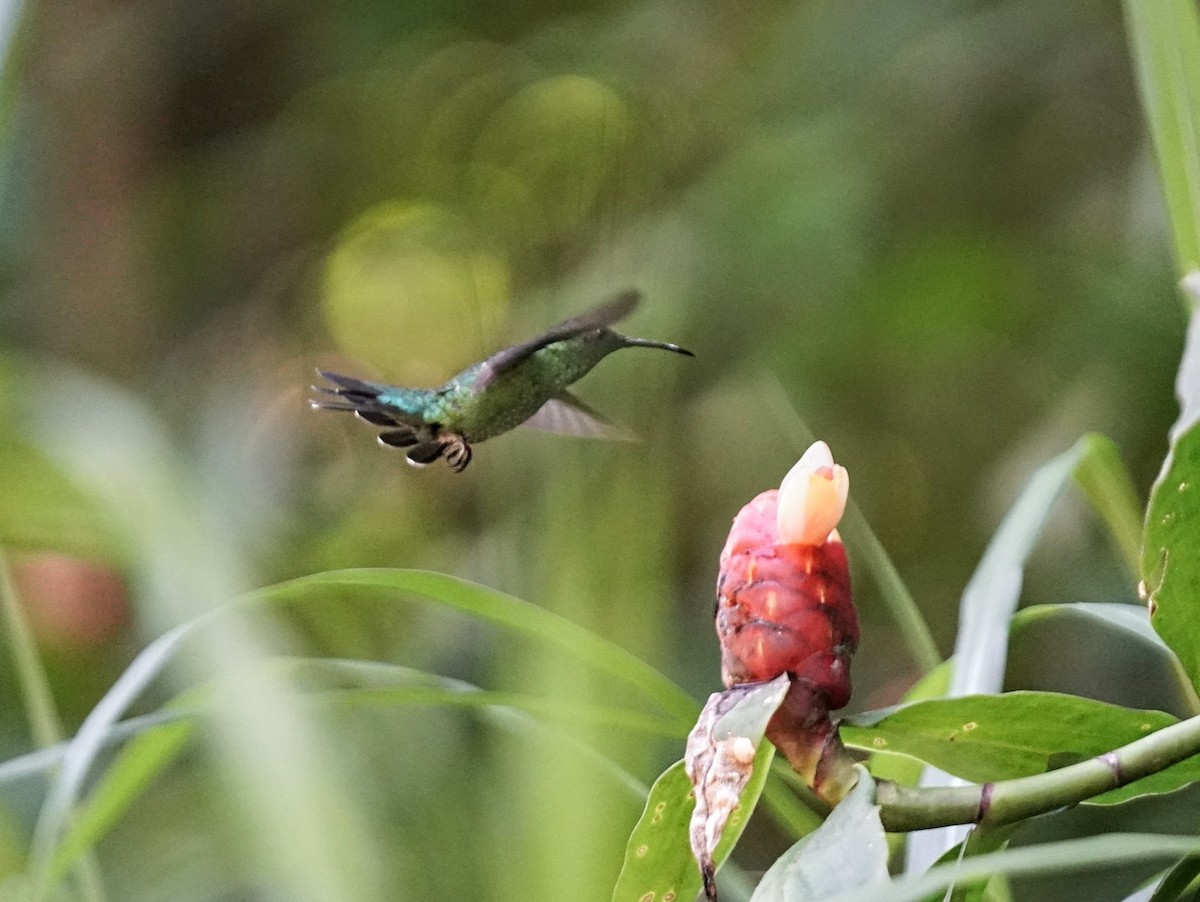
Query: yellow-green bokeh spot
x,y
412,291
557,142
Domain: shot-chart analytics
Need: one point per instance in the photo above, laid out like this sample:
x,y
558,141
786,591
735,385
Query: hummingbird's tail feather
x,y
367,400
398,438
650,343
425,453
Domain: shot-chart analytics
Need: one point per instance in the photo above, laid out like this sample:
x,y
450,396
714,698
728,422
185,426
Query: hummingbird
x,y
525,384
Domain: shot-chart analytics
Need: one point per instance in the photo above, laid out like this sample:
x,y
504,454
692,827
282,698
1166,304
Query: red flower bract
x,y
785,608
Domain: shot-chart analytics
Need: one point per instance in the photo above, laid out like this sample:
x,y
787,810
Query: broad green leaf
x,y
658,858
849,850
1164,36
999,737
903,769
1111,850
1170,565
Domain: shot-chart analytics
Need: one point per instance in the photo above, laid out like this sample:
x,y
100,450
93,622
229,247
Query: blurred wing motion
x,y
565,414
599,318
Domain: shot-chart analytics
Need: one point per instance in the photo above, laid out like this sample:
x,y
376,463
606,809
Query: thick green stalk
x,y
993,804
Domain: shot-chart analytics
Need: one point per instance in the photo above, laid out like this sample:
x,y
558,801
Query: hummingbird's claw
x,y
458,454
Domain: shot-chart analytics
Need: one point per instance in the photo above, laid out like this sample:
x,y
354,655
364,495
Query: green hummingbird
x,y
525,384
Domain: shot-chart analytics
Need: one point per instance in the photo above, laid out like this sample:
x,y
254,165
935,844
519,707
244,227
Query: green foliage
x,y
930,233
985,738
1165,35
847,852
1169,569
658,859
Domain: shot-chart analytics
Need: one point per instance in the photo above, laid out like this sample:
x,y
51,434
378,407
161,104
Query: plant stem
x,y
44,721
993,804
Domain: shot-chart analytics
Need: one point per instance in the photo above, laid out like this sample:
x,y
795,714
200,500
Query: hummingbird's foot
x,y
458,453
453,447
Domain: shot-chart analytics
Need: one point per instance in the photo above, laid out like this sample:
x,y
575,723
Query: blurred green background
x,y
931,232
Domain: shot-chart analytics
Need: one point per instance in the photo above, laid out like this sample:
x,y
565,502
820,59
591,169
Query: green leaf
x,y
502,610
82,750
1164,36
1107,485
1109,851
903,769
1170,565
44,510
998,737
348,682
848,851
139,763
478,601
781,802
658,858
1179,883
1126,622
365,683
991,596
1113,633
977,842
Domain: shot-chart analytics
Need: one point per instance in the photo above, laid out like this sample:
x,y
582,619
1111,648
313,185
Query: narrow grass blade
x,y
329,681
1110,850
44,722
1164,36
503,610
991,596
1108,487
910,622
81,753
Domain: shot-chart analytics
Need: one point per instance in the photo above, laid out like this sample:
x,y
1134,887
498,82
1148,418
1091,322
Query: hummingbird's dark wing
x,y
565,414
598,318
